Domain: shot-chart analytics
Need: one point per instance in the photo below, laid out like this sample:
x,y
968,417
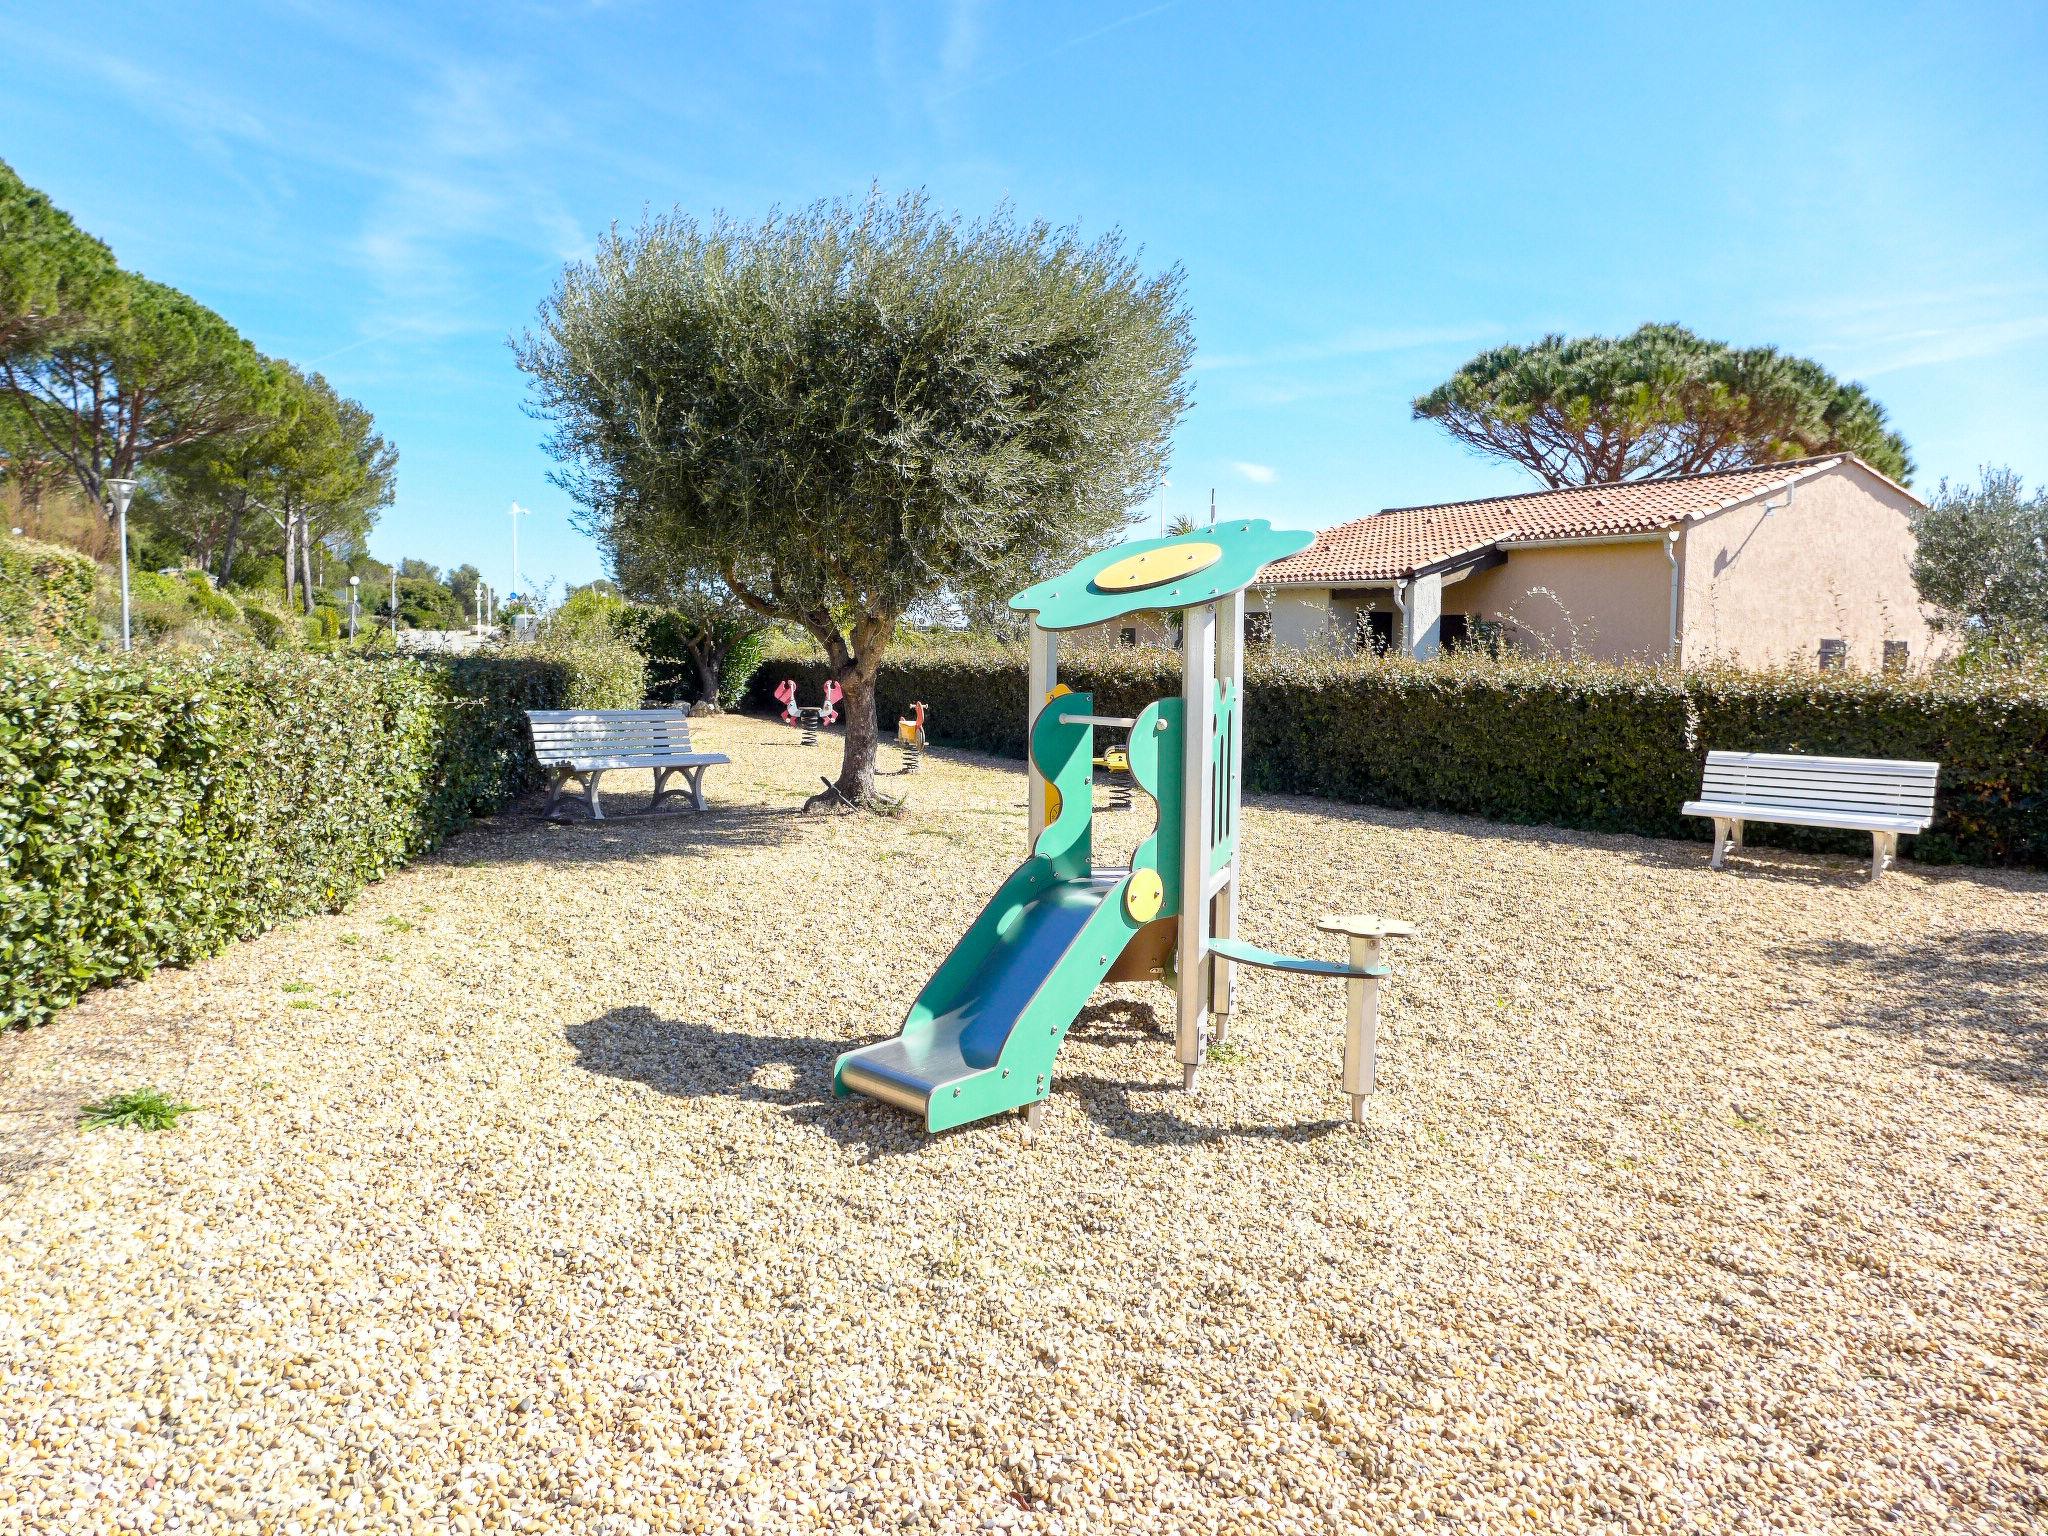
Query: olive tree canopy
x,y
1662,401
1983,560
841,412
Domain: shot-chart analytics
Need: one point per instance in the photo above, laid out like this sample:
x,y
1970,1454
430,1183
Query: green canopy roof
x,y
1148,574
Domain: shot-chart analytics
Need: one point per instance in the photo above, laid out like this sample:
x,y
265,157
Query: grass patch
x,y
144,1108
296,986
350,939
395,924
305,1002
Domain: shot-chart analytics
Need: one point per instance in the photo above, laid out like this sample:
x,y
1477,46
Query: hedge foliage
x,y
1571,744
155,808
46,593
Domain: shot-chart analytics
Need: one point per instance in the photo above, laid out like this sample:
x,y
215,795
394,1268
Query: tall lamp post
x,y
517,513
119,494
354,582
394,606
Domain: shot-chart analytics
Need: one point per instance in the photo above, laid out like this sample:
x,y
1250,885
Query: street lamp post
x,y
120,493
394,607
354,582
517,513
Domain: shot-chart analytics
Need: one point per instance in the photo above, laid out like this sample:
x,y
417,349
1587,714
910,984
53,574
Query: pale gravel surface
x,y
1690,1202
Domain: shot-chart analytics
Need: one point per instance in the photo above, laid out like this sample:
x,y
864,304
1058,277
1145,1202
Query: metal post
x,y
127,636
1198,677
1043,677
1229,672
394,607
355,584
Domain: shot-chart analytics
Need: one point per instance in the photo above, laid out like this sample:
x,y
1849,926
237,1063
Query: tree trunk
x,y
856,781
291,556
227,546
306,559
709,665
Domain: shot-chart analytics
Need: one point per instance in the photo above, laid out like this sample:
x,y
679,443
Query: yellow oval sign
x,y
1151,567
1144,896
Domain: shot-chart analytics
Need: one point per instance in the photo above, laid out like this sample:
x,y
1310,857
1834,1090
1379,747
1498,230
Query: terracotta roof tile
x,y
1400,540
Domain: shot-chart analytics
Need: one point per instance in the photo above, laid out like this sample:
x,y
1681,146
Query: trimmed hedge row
x,y
1537,741
154,809
46,593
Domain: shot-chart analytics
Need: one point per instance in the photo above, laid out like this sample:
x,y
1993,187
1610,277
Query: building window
x,y
1127,637
1897,654
1376,632
1258,631
1834,655
1454,629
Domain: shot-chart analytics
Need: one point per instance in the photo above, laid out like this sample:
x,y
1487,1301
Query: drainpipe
x,y
1671,554
1401,607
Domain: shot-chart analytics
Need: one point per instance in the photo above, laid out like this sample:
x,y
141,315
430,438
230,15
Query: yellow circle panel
x,y
1170,562
1144,896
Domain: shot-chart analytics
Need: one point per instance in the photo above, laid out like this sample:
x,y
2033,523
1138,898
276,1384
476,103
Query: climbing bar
x,y
1251,954
1124,722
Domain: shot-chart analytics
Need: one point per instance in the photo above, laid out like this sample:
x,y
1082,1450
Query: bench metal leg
x,y
562,777
1884,852
590,793
696,777
1720,841
1735,837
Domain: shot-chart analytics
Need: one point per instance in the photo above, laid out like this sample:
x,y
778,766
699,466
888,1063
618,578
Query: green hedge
x,y
1537,741
153,809
46,593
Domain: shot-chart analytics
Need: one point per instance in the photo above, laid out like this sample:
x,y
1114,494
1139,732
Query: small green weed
x,y
305,1002
395,924
145,1108
350,939
296,986
1224,1053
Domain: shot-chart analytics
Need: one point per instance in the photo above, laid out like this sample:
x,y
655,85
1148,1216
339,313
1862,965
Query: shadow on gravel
x,y
1974,999
794,1073
625,834
695,1061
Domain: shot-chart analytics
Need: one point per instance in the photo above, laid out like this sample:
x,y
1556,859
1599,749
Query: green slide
x,y
982,1035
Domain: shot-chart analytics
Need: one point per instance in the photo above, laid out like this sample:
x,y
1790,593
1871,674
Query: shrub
x,y
154,808
600,670
267,627
1573,744
46,593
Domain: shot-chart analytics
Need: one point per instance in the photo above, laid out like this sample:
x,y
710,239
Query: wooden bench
x,y
587,744
1863,794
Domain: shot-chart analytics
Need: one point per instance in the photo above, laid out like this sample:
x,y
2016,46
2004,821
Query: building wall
x,y
1835,564
1608,601
1303,617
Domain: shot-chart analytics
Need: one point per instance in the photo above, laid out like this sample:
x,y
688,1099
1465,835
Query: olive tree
x,y
1982,560
844,411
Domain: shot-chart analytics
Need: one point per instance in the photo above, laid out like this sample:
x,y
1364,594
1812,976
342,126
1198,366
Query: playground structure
x,y
809,717
911,738
983,1033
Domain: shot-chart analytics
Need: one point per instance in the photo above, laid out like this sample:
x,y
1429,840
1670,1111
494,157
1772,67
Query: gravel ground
x,y
1689,1202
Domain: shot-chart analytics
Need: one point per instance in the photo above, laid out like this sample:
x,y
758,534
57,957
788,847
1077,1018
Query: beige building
x,y
1805,561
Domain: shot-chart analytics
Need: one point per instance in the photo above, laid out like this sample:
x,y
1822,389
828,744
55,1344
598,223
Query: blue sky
x,y
1362,197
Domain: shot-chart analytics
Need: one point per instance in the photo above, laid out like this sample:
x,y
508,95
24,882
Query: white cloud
x,y
1258,474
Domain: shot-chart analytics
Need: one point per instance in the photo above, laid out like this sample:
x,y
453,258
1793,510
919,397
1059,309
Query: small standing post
x,y
1365,932
355,584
